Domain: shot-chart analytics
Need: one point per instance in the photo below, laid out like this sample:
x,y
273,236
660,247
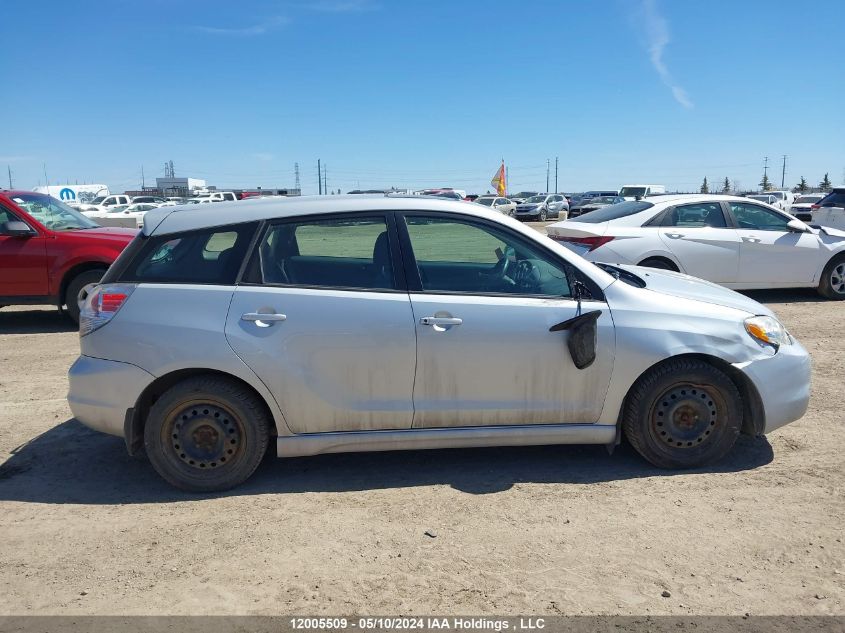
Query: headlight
x,y
767,331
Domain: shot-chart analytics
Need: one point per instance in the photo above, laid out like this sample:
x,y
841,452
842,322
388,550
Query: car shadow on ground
x,y
35,322
787,295
72,464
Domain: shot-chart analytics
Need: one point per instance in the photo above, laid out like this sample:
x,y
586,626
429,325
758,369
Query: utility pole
x,y
556,189
548,164
319,179
765,166
783,173
325,181
46,182
143,182
9,168
296,176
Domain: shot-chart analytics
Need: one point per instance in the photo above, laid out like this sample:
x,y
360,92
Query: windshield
x,y
98,200
603,200
524,194
485,201
614,212
52,213
536,199
632,192
809,199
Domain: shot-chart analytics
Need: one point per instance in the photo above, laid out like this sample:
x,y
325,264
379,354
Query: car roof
x,y
188,217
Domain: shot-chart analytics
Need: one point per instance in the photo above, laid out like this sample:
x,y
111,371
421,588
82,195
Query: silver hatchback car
x,y
359,323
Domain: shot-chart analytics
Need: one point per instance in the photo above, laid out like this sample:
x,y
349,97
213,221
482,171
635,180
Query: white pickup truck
x,y
101,204
217,196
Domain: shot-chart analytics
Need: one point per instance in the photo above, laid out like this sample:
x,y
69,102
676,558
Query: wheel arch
x,y
136,418
753,412
663,258
75,270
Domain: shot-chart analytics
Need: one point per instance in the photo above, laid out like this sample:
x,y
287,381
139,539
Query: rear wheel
x,y
660,263
683,414
75,286
206,434
832,283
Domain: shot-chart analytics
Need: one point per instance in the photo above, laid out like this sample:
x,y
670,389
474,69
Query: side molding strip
x,y
457,437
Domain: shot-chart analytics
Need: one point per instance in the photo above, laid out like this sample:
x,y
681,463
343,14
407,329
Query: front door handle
x,y
752,240
263,319
441,321
675,236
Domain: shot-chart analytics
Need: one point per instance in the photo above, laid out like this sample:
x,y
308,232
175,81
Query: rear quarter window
x,y
208,256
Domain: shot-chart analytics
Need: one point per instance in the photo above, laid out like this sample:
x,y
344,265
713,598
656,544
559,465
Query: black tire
x,y
206,434
832,283
75,286
682,414
661,264
543,215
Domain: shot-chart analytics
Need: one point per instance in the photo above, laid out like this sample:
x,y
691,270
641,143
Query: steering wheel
x,y
526,275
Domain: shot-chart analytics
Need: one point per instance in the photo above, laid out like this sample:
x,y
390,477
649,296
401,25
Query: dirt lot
x,y
88,530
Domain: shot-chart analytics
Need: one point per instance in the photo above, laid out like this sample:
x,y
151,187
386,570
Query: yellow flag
x,y
499,180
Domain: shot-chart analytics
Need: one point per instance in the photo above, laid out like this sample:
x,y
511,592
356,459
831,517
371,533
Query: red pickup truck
x,y
49,252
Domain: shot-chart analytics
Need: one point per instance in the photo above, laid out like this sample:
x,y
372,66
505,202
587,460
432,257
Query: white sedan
x,y
736,242
130,217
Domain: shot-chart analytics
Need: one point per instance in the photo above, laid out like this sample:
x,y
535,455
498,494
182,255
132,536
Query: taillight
x,y
99,304
813,207
592,242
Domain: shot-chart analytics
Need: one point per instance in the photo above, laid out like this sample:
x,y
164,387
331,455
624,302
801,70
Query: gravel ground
x,y
88,530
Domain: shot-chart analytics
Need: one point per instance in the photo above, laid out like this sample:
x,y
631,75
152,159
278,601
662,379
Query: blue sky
x,y
435,93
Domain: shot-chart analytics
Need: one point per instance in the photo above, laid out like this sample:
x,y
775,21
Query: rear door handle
x,y
752,240
262,319
432,320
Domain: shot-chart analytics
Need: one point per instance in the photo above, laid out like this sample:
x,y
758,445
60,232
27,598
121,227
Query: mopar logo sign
x,y
67,194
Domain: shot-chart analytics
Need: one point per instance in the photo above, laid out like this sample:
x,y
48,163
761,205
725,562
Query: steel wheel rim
x,y
837,278
204,436
686,416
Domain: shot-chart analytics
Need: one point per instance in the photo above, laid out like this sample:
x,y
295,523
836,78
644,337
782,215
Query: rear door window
x,y
209,256
699,215
352,252
834,199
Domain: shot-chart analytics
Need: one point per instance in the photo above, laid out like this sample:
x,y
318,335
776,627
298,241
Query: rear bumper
x,y
783,382
101,391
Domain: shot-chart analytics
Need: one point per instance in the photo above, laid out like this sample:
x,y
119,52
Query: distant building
x,y
179,186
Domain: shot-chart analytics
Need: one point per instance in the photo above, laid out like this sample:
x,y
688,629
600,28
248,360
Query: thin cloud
x,y
14,159
657,30
342,6
255,29
264,156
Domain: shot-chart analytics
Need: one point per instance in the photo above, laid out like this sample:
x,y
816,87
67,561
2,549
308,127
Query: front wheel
x,y
88,278
832,282
682,414
543,215
206,434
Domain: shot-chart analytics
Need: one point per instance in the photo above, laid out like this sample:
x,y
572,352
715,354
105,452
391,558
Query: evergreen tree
x,y
826,185
765,184
802,186
705,188
726,186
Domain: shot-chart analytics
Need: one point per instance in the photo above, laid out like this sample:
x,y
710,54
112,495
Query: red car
x,y
49,252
